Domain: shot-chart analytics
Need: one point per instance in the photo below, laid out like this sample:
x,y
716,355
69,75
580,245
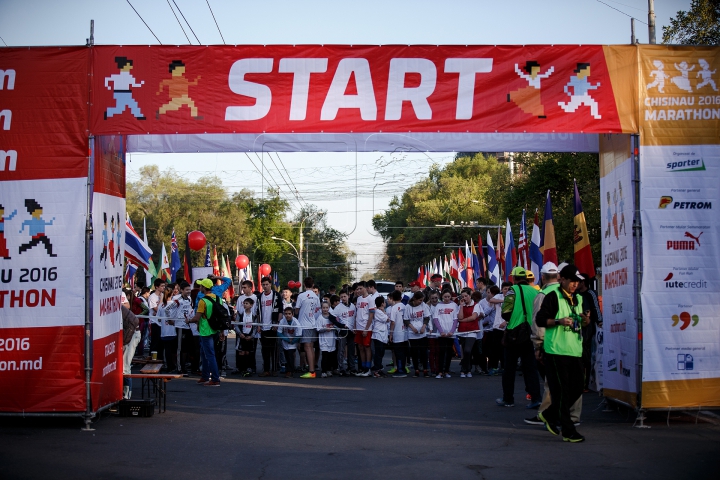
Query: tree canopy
x,y
238,222
698,26
478,188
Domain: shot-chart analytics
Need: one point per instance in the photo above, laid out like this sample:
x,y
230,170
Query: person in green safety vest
x,y
517,309
562,315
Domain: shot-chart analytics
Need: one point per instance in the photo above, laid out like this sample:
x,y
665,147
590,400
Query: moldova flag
x,y
581,240
547,235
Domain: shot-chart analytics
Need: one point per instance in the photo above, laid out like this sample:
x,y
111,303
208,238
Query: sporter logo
x,y
692,165
685,244
685,318
667,200
670,283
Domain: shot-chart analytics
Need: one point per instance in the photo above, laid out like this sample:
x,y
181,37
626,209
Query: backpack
x,y
220,318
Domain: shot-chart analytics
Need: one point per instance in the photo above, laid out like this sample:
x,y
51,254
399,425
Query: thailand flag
x,y
536,257
523,248
510,253
493,268
174,257
136,250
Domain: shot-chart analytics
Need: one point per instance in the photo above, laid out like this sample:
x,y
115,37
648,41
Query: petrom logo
x,y
691,165
665,201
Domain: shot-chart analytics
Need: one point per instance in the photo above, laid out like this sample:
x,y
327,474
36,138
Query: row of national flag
x,y
531,253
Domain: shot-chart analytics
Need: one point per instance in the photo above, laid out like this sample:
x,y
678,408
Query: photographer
x,y
563,317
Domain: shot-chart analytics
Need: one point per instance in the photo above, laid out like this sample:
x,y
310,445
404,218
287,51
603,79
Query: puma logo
x,y
697,239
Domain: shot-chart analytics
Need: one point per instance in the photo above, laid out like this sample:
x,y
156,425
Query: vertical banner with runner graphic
x,y
680,198
108,213
617,341
43,204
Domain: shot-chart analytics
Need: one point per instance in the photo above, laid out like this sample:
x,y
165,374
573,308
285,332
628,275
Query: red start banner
x,y
312,89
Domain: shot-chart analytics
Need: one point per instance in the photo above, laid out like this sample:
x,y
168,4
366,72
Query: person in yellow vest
x,y
210,376
562,315
517,309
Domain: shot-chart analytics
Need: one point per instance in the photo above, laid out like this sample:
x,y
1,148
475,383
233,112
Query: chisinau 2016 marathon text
x,y
110,304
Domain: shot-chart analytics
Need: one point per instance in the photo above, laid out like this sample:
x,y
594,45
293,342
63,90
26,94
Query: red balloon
x,y
196,240
242,261
265,269
291,284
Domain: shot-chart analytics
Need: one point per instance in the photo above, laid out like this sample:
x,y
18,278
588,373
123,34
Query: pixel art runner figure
x,y
4,252
660,76
111,243
36,226
104,253
580,95
119,236
706,75
122,93
682,81
528,98
178,88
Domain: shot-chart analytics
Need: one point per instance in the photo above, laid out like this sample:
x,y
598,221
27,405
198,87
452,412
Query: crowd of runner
x,y
544,329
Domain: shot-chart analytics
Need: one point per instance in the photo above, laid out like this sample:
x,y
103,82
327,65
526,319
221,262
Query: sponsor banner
x,y
43,112
617,342
42,236
41,369
679,197
679,95
108,207
344,88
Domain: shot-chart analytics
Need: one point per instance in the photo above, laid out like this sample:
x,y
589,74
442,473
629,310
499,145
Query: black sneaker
x,y
502,403
574,438
534,421
550,427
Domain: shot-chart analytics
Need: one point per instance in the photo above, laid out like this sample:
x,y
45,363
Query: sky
x,y
326,180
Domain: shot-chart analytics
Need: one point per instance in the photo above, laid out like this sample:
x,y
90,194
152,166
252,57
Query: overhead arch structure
x,y
68,115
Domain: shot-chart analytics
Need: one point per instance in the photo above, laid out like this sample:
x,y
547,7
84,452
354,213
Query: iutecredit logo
x,y
668,202
697,284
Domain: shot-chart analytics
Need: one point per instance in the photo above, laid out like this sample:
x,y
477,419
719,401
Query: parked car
x,y
384,287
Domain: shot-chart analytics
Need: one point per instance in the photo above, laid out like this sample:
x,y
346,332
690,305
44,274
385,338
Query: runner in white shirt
x,y
398,335
341,311
247,292
416,318
290,338
445,319
305,307
495,354
363,328
180,308
379,336
245,336
433,299
325,323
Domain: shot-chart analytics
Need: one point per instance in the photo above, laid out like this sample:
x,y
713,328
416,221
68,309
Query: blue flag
x,y
174,257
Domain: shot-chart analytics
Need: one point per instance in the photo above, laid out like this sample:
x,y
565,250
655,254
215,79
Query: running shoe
x,y
447,375
532,405
469,375
417,374
462,375
550,427
407,370
202,381
439,375
308,375
323,375
217,384
400,375
534,421
392,370
502,403
366,373
574,438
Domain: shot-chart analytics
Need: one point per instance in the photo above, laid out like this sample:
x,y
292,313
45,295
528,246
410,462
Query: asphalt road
x,y
355,428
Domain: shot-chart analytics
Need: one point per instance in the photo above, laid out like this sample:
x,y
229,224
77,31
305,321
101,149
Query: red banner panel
x,y
43,113
307,89
107,373
42,370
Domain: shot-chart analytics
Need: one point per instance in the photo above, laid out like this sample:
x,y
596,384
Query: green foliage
x,y
698,26
478,188
232,223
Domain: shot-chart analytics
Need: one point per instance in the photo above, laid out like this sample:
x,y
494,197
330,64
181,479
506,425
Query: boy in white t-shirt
x,y
417,318
397,336
245,337
290,333
363,328
379,336
325,324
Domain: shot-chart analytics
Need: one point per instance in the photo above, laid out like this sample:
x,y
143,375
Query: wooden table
x,y
150,375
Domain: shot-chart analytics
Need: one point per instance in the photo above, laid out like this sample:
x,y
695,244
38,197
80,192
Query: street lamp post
x,y
297,254
302,224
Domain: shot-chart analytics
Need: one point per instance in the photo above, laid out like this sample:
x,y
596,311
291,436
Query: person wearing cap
x,y
434,287
590,300
210,376
562,315
517,312
530,276
549,278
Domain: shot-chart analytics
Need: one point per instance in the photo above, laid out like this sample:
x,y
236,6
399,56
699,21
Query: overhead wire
x,y
178,20
264,178
286,182
143,20
188,23
617,9
216,24
3,40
